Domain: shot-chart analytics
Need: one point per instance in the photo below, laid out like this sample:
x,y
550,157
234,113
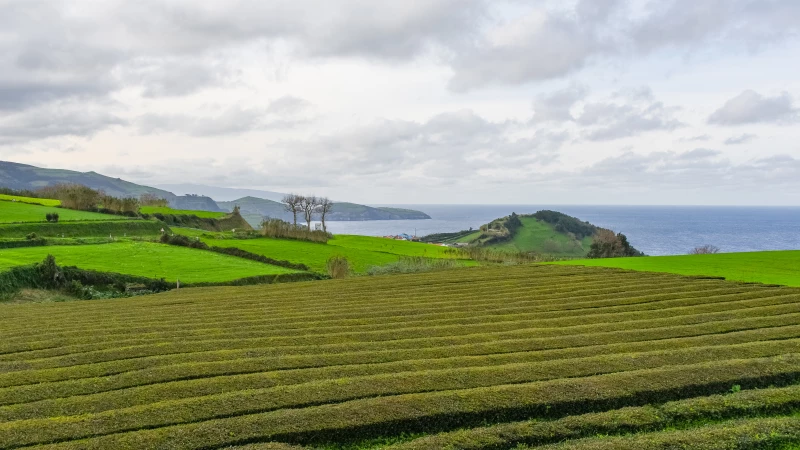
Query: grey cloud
x,y
56,120
556,106
288,105
629,114
751,107
698,138
741,139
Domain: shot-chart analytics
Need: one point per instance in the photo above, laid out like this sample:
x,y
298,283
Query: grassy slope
x,y
144,259
343,361
775,267
168,210
361,251
38,201
92,228
533,235
11,212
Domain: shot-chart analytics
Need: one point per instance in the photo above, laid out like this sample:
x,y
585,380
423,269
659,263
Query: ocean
x,y
655,230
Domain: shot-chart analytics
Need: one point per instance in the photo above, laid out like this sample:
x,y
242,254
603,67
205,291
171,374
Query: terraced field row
x,y
470,358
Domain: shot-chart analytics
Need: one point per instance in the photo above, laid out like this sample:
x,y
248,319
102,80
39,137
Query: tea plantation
x,y
473,358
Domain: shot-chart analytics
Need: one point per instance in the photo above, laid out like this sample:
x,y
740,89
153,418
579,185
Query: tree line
x,y
308,206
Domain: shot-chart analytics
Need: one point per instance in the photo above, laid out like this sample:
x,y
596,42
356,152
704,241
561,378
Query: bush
x,y
338,267
608,245
704,250
415,264
279,229
31,236
51,217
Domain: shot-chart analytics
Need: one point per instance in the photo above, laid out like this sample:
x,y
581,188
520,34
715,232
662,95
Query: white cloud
x,y
751,107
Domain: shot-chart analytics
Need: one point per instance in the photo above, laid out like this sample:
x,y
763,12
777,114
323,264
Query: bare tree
x,y
325,206
309,206
704,250
292,204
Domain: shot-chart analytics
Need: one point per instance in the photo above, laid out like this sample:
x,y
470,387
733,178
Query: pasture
x,y
361,251
187,212
17,212
32,200
473,358
773,267
121,227
144,259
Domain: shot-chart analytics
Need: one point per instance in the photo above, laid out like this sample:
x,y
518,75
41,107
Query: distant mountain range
x,y
254,204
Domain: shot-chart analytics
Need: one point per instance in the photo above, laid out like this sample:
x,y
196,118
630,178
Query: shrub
x,y
704,250
31,236
279,229
338,267
608,245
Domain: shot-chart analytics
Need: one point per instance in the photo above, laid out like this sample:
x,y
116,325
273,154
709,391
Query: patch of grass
x,y
37,296
145,259
33,200
16,212
188,212
773,267
392,246
540,237
88,229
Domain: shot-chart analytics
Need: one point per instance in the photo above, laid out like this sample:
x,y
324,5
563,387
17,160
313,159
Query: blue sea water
x,y
655,230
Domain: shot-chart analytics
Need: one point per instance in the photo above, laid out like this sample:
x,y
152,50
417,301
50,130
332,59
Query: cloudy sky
x,y
414,101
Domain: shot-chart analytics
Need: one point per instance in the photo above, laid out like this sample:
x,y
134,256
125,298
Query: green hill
x,y
24,177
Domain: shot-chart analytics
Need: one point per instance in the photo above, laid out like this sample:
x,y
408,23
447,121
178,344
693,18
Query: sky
x,y
414,101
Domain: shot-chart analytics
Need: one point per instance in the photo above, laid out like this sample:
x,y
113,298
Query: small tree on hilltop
x,y
309,206
291,204
704,250
325,206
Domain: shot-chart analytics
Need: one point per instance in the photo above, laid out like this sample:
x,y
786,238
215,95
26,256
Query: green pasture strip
x,y
336,384
199,323
746,434
16,212
305,357
188,212
434,411
774,267
144,259
313,255
117,228
397,338
32,200
395,247
683,413
767,305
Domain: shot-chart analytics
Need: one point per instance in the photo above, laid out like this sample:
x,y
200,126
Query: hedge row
x,y
682,413
437,411
752,434
117,228
120,374
488,341
21,243
235,394
267,326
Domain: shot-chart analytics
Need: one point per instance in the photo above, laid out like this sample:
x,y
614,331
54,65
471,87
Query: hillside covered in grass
x,y
545,232
774,267
475,358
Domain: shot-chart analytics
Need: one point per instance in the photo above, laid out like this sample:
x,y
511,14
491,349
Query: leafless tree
x,y
325,206
309,206
704,250
292,204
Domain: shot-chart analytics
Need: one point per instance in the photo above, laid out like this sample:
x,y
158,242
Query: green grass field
x,y
189,212
474,358
540,237
144,259
776,267
11,212
122,227
361,251
38,201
